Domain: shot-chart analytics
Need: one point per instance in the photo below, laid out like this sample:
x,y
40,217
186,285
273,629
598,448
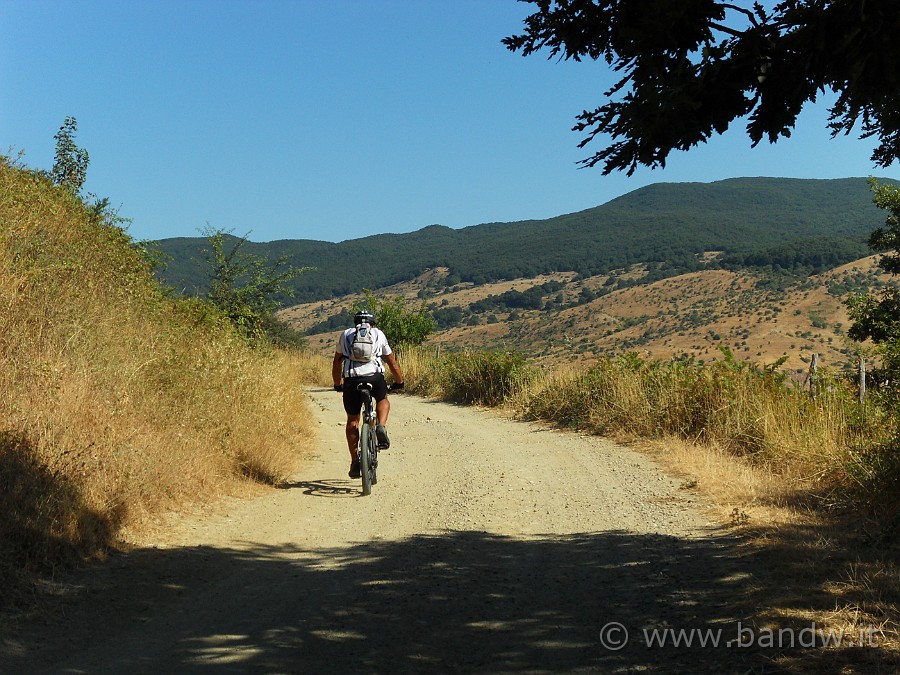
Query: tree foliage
x,y
244,286
689,68
70,167
404,325
876,316
887,239
71,162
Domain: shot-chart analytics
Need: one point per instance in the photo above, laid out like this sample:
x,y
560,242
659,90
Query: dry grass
x,y
116,402
314,368
745,412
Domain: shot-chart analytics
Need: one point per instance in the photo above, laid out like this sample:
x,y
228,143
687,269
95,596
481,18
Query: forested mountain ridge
x,y
803,224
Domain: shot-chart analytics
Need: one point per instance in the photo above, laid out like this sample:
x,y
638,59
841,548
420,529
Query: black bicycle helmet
x,y
364,316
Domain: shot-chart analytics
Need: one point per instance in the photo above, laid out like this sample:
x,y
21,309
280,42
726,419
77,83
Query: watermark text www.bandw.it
x,y
614,636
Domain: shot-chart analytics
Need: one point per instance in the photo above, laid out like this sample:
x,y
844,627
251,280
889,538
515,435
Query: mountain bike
x,y
368,442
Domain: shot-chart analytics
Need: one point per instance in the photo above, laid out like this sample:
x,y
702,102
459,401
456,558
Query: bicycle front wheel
x,y
366,458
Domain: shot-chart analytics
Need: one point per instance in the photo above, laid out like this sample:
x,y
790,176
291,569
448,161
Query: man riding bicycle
x,y
359,358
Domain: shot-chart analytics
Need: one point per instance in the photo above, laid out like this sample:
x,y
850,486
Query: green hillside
x,y
790,223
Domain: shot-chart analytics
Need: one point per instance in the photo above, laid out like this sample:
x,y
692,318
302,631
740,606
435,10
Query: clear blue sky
x,y
333,119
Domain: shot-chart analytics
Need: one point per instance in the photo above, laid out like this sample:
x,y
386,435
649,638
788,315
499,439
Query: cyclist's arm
x,y
337,366
394,366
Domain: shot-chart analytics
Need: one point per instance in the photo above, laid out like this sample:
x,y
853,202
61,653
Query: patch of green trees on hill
x,y
799,224
532,298
336,322
801,256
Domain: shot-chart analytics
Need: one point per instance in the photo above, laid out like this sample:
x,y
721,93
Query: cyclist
x,y
368,344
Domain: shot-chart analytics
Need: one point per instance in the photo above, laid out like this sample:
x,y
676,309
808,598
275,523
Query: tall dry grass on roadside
x,y
116,401
313,369
819,449
746,411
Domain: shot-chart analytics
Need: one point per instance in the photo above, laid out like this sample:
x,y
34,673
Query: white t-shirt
x,y
380,347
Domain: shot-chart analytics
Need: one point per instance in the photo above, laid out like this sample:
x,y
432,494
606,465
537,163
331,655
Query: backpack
x,y
362,348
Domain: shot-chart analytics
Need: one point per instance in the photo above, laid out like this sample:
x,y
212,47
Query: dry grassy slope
x,y
308,314
689,314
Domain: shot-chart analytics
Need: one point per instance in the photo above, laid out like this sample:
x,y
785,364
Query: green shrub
x,y
483,378
403,325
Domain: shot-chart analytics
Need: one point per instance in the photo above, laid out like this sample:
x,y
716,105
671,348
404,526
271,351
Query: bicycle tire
x,y
365,459
373,455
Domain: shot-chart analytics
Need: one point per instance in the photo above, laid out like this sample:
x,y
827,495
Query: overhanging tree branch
x,y
680,86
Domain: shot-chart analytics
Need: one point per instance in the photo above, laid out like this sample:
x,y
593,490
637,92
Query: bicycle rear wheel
x,y
367,458
373,455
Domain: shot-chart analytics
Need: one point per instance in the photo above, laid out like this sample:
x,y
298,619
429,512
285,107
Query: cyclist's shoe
x,y
381,434
354,469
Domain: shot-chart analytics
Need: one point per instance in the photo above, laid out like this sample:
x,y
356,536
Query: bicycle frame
x,y
368,444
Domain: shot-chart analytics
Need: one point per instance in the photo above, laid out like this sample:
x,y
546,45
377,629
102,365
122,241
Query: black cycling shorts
x,y
353,397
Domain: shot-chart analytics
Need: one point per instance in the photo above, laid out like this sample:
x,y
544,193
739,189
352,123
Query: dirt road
x,y
487,546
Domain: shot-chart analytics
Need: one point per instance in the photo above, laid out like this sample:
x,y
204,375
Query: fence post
x,y
437,351
811,377
862,379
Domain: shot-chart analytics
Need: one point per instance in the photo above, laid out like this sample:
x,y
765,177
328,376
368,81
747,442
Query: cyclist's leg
x,y
352,400
383,409
352,433
380,394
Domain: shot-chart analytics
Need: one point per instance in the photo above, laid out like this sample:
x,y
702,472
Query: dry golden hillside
x,y
689,315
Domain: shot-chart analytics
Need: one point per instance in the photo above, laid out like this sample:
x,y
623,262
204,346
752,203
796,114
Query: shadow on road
x,y
326,487
454,602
